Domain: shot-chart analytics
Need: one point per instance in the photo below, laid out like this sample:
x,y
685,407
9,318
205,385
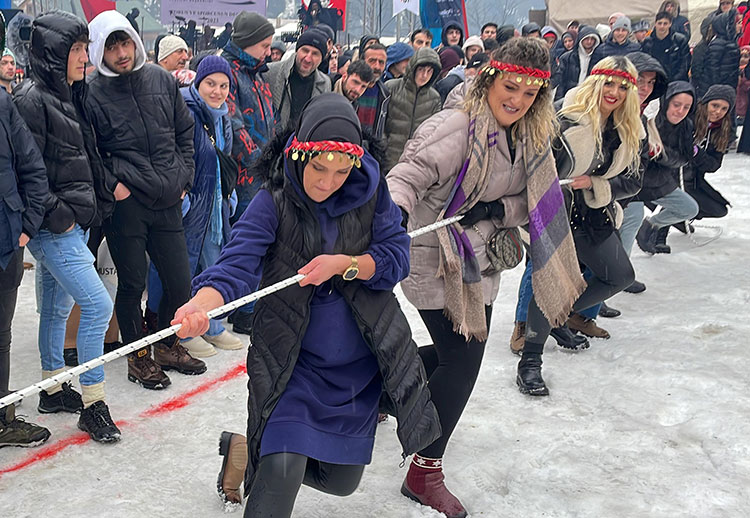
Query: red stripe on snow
x,y
175,403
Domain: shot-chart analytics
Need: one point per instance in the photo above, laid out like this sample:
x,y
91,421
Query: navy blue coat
x,y
23,180
196,221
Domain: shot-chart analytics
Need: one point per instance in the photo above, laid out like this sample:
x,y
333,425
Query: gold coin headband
x,y
534,76
308,150
611,75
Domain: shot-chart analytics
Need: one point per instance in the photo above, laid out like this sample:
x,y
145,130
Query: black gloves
x,y
404,218
480,211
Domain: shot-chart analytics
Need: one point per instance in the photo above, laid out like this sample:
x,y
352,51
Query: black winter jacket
x,y
23,180
699,75
662,174
675,58
569,66
54,112
723,53
611,48
145,134
282,318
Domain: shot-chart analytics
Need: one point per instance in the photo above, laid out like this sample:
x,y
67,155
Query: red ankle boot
x,y
424,484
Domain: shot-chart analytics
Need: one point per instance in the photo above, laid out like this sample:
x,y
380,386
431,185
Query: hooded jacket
x,y
679,23
54,112
410,106
144,129
251,111
673,53
723,53
569,66
452,25
646,63
396,53
661,175
278,80
280,232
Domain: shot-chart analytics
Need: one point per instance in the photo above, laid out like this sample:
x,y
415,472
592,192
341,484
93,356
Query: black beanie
x,y
314,38
720,92
329,116
250,28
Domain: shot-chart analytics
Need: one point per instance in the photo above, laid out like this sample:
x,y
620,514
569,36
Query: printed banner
x,y
436,13
405,5
212,12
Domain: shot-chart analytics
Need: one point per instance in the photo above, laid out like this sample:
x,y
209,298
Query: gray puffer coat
x,y
410,106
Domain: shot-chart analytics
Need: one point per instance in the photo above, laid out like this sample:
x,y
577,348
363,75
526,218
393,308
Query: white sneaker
x,y
225,340
198,348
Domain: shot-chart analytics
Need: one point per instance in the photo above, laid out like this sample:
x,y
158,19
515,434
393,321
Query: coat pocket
x,y
11,220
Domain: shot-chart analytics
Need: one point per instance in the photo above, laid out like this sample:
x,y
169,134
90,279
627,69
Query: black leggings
x,y
10,279
610,264
280,476
452,366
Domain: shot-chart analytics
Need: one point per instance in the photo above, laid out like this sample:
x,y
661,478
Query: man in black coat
x,y
52,104
669,47
575,61
145,134
723,54
23,183
618,42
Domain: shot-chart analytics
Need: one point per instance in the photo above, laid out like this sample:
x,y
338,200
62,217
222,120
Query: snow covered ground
x,y
652,423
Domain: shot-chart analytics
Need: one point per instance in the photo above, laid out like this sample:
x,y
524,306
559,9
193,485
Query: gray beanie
x,y
250,28
623,22
720,92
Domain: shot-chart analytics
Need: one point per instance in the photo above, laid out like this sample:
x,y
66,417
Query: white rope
x,y
690,235
69,374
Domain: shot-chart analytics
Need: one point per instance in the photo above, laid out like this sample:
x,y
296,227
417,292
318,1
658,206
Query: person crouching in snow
x,y
326,350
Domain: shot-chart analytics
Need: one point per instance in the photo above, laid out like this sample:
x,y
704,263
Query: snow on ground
x,y
652,423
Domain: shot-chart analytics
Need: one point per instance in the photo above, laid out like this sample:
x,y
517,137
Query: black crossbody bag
x,y
228,167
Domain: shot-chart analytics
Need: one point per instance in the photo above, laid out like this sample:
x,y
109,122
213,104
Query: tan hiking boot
x,y
233,450
175,356
144,371
586,326
518,338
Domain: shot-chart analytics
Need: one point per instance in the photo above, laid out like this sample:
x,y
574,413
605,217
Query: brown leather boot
x,y
518,338
233,450
425,484
586,326
175,356
144,371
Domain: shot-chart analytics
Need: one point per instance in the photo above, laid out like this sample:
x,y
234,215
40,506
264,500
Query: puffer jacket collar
x,y
52,36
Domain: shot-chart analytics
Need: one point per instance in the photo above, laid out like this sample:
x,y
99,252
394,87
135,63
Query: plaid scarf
x,y
556,278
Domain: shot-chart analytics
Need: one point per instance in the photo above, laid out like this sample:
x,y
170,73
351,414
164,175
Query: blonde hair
x,y
627,116
541,122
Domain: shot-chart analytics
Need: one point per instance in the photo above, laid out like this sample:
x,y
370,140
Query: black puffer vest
x,y
281,320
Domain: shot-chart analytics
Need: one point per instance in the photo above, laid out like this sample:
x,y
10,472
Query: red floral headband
x,y
612,73
536,76
307,150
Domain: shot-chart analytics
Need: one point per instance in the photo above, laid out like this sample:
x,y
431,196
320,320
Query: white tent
x,y
560,12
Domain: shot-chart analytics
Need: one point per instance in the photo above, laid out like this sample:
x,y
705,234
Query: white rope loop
x,y
69,374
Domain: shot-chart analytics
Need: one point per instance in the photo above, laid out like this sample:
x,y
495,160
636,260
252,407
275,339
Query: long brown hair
x,y
719,137
540,119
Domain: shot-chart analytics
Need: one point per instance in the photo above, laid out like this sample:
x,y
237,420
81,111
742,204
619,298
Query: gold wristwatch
x,y
351,273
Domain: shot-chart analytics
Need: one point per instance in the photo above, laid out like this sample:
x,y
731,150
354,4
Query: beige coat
x,y
421,183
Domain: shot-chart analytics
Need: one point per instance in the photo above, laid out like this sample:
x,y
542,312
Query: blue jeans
x,y
65,274
676,207
631,222
525,292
